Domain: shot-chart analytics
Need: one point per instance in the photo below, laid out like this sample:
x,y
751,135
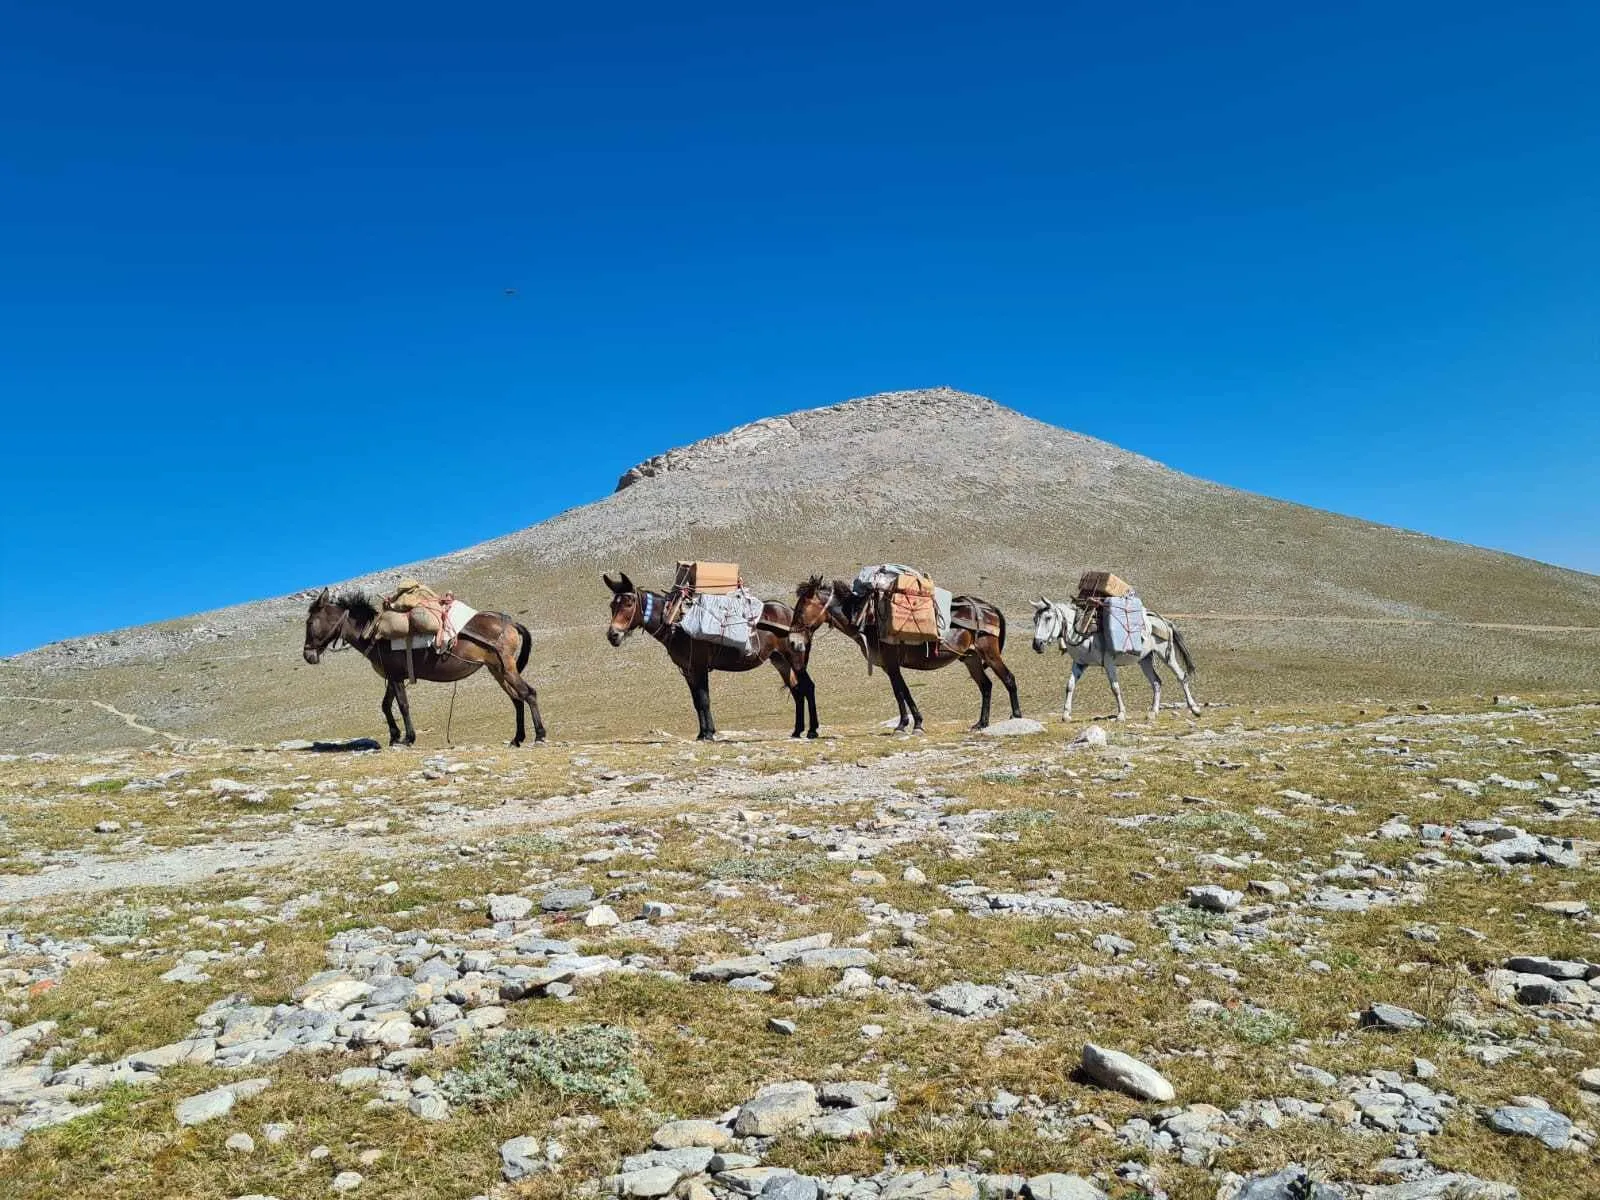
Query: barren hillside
x,y
988,500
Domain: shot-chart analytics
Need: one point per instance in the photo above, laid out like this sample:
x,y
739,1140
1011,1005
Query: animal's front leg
x,y
1116,690
1072,686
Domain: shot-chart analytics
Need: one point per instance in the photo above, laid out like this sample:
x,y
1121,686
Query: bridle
x,y
800,639
336,640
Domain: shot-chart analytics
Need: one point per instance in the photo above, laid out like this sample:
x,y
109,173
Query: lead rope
x,y
450,718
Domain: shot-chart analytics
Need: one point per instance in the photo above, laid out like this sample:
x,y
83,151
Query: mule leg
x,y
985,689
1183,681
521,692
897,684
1116,687
1008,681
388,713
531,699
786,671
1148,666
700,686
1072,685
399,686
811,702
911,703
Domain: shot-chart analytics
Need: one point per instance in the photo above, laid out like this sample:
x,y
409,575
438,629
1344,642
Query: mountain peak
x,y
883,409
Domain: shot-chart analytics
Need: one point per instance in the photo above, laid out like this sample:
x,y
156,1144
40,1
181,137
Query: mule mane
x,y
809,588
361,607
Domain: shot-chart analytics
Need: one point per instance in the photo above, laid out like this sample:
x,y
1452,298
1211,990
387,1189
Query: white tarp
x,y
1125,623
728,620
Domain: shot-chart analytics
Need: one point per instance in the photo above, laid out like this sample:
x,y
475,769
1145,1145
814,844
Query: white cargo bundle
x,y
725,620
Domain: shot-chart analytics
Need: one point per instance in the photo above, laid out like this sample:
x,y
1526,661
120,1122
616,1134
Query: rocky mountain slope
x,y
1283,601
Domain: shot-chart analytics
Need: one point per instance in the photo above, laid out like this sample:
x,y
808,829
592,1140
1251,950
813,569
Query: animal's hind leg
x,y
521,692
400,694
985,688
811,702
1147,664
1008,681
1183,682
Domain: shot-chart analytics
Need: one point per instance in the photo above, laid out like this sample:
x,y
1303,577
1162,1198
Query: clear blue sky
x,y
253,261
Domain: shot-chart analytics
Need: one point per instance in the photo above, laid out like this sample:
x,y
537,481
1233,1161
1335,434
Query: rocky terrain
x,y
1280,602
1334,951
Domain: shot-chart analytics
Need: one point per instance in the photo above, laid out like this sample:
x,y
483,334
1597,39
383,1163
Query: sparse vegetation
x,y
590,1061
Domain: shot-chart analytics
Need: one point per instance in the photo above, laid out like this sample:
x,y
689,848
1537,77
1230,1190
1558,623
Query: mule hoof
x,y
812,735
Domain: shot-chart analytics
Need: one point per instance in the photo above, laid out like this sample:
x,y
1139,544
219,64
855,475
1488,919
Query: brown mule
x,y
976,637
634,608
491,640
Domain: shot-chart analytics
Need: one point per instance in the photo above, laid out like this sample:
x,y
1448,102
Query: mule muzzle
x,y
615,636
799,643
312,655
1039,645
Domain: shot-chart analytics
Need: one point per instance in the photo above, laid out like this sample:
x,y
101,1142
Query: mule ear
x,y
609,583
1039,605
625,584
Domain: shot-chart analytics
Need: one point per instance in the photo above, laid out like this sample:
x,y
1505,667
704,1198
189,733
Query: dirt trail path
x,y
870,779
91,874
128,719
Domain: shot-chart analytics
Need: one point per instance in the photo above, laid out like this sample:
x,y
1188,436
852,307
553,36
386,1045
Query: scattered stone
x,y
509,908
776,1109
1548,1126
1015,727
1392,1016
1213,898
1124,1073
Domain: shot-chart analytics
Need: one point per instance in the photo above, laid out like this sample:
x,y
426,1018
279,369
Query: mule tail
x,y
1182,648
1002,617
527,645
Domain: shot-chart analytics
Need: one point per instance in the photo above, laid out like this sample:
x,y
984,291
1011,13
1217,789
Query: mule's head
x,y
625,608
1048,624
811,600
323,623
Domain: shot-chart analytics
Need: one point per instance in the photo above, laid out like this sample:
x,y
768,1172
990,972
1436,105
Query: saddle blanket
x,y
726,620
418,641
455,619
1125,623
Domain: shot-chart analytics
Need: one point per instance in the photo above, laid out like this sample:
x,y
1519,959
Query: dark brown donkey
x,y
976,637
491,640
634,608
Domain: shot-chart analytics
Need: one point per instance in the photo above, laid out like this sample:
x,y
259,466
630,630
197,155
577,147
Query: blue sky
x,y
253,262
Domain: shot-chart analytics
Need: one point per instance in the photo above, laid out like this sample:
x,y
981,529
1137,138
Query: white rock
x,y
1124,1073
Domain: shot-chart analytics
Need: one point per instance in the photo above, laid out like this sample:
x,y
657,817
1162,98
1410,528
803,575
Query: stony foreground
x,y
1266,955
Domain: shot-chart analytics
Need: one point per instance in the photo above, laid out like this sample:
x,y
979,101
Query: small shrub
x,y
1004,775
106,785
778,864
583,1060
533,843
1015,820
122,922
1259,1026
